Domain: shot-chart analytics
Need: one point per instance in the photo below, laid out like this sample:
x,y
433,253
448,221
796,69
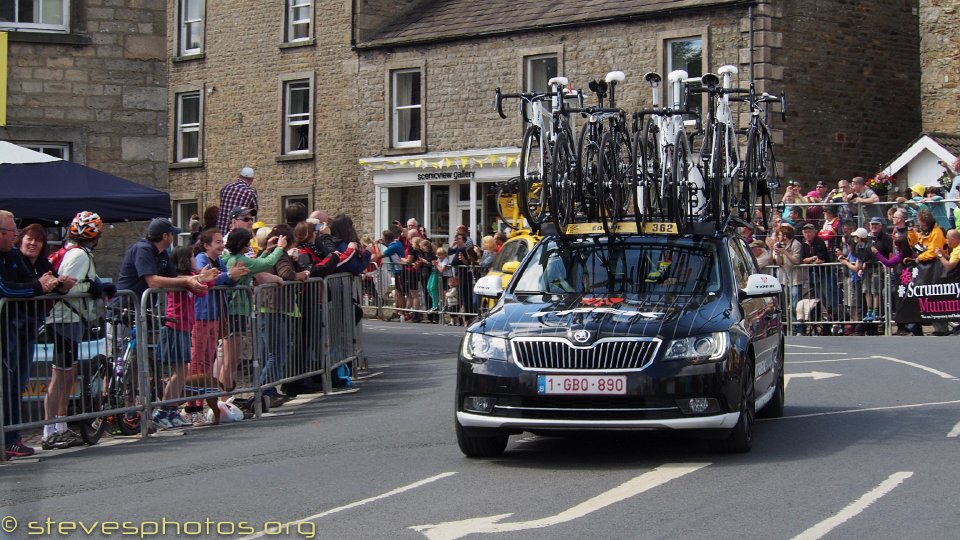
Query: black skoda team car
x,y
633,332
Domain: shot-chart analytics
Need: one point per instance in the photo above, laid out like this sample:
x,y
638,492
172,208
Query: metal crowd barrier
x,y
826,300
861,213
402,289
132,360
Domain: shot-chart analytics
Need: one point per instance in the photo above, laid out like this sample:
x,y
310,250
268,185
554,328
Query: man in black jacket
x,y
16,281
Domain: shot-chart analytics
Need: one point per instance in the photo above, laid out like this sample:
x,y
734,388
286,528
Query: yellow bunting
x,y
464,162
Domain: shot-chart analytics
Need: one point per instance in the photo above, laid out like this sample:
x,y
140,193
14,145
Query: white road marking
x,y
936,372
815,375
817,353
391,493
857,506
955,432
918,366
867,409
828,360
803,346
451,530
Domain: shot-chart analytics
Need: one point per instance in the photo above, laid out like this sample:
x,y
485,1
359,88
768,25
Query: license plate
x,y
582,384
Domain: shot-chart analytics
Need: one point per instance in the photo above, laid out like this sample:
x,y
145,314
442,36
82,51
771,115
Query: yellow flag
x,y
447,162
510,161
464,162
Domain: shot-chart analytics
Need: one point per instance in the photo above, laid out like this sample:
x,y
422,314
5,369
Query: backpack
x,y
56,258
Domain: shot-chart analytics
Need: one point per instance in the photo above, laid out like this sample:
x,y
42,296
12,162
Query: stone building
x,y
940,65
381,109
270,85
835,61
87,82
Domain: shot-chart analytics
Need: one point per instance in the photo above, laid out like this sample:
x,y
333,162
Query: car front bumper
x,y
473,420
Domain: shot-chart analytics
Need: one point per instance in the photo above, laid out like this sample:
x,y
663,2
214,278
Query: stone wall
x,y
852,76
102,89
242,107
940,65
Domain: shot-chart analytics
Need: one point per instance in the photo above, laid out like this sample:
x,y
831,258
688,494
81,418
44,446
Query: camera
x,y
909,223
781,245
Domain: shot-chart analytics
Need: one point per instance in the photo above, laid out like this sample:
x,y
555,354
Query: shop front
x,y
441,190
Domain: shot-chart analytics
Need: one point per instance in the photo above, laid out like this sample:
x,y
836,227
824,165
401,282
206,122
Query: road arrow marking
x,y
451,530
955,432
399,490
857,506
815,375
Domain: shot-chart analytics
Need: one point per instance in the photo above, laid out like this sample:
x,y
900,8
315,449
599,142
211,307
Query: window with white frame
x,y
188,118
287,200
538,70
57,150
38,15
406,108
297,107
183,210
299,15
190,15
685,54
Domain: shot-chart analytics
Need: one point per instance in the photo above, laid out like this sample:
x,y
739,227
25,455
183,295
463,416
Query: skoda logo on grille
x,y
581,336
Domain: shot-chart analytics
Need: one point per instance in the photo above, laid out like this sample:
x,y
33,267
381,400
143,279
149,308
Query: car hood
x,y
665,317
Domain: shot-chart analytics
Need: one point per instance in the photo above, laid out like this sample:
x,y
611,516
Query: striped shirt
x,y
235,194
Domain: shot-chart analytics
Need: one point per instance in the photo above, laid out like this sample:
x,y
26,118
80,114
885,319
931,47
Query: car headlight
x,y
481,347
706,348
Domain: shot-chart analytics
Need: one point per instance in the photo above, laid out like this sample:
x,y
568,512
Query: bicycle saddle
x,y
710,80
728,69
598,87
615,76
652,77
677,75
559,81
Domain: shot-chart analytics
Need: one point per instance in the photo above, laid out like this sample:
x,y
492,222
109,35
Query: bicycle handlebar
x,y
499,96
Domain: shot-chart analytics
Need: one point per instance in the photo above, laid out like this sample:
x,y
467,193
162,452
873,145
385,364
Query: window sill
x,y
185,165
295,44
51,38
188,57
405,151
294,157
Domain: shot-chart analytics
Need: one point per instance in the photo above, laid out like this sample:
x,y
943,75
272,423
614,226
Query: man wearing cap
x,y
237,194
147,265
243,217
759,249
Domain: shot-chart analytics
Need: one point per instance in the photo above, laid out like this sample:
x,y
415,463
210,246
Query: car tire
x,y
774,408
740,439
487,445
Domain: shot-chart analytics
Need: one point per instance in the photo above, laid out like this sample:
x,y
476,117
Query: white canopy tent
x,y
12,153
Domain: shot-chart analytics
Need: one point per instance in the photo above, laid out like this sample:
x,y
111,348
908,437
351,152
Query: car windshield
x,y
627,266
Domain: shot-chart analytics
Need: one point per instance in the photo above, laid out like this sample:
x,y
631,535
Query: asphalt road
x,y
867,450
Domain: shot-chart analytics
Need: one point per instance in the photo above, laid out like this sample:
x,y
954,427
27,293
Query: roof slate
x,y
451,19
950,141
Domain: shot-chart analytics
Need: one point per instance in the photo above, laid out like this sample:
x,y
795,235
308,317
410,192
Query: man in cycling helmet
x,y
68,321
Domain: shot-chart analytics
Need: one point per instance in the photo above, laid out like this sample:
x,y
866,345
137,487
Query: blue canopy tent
x,y
54,191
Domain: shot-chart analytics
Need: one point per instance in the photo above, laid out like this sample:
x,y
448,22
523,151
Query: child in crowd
x,y
175,340
209,314
453,301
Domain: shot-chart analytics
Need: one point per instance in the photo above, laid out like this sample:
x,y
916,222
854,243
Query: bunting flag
x,y
438,163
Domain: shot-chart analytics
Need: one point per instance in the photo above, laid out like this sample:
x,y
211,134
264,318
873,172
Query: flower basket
x,y
881,183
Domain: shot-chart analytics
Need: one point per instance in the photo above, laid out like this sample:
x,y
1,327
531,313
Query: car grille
x,y
605,355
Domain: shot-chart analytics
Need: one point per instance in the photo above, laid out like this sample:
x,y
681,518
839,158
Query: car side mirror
x,y
510,267
760,286
488,286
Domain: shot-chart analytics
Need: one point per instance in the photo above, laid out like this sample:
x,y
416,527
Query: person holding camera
x,y
787,253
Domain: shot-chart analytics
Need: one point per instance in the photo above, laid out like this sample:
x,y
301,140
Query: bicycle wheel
x,y
715,171
615,183
532,189
760,172
563,182
681,203
649,172
589,160
93,399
